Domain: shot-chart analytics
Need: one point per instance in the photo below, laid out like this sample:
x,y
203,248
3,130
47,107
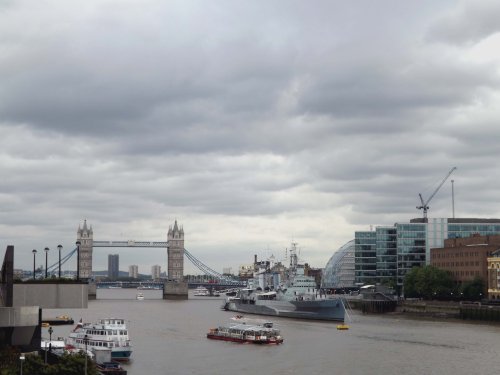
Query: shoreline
x,y
439,311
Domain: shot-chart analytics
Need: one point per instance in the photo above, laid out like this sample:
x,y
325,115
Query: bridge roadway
x,y
159,285
131,243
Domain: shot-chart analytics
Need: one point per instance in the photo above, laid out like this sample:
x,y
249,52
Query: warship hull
x,y
327,309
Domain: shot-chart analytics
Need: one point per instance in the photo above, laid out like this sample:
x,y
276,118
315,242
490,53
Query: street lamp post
x,y
86,340
50,341
50,333
46,259
78,260
59,247
21,358
34,255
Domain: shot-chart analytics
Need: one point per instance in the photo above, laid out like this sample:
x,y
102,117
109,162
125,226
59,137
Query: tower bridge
x,y
175,254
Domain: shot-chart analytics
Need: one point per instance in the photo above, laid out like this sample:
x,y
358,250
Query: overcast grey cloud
x,y
469,22
251,123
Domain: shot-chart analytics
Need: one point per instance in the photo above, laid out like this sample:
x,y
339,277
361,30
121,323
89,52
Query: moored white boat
x,y
106,333
140,296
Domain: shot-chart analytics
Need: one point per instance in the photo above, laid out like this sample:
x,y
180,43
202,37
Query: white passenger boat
x,y
140,296
106,333
247,333
201,291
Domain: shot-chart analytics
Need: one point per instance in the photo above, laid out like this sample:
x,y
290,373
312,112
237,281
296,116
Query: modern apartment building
x,y
155,272
133,271
113,266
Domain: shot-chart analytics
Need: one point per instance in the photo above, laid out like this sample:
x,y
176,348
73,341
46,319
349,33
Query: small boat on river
x,y
242,332
140,296
58,320
201,291
110,368
342,327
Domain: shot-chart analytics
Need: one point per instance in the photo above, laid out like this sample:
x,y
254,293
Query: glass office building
x,y
411,248
339,271
365,261
389,252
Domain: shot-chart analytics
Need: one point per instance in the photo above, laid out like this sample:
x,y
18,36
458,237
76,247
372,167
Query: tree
x,y
473,290
428,282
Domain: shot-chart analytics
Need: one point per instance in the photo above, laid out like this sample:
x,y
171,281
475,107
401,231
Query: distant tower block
x,y
175,251
86,237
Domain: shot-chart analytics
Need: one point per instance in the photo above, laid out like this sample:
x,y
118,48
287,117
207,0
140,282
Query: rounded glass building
x,y
339,271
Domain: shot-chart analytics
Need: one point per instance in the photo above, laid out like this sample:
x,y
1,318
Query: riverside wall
x,y
435,309
51,295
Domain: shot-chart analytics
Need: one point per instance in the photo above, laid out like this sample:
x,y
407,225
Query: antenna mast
x,y
453,198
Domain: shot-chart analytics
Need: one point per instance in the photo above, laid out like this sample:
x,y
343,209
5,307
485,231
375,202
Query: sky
x,y
251,123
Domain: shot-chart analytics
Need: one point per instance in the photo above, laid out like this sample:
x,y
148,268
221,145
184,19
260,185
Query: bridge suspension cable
x,y
209,271
64,259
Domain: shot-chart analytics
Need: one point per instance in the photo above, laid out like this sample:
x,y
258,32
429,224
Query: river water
x,y
169,337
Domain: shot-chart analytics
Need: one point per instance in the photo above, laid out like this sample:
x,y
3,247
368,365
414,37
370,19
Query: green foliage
x,y
69,364
473,290
34,365
72,364
9,370
8,359
429,282
390,283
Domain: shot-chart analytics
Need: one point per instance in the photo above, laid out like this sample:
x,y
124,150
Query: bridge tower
x,y
86,237
175,287
175,251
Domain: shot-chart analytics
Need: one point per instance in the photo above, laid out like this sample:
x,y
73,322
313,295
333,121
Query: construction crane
x,y
424,205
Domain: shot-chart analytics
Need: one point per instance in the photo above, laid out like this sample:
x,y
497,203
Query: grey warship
x,y
291,294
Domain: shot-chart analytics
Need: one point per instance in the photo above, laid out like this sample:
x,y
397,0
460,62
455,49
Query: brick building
x,y
466,258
